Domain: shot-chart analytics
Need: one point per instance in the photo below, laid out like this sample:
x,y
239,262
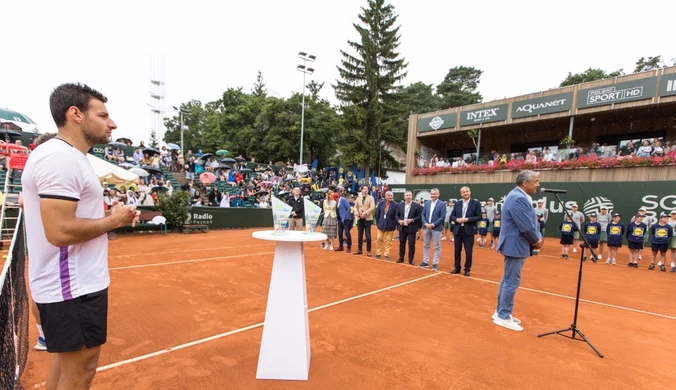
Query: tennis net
x,y
14,312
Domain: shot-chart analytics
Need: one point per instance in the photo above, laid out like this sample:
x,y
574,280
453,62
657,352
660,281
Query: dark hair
x,y
71,94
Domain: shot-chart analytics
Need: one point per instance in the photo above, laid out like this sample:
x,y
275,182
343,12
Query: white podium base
x,y
285,346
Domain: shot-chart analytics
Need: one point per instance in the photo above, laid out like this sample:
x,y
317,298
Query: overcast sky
x,y
522,46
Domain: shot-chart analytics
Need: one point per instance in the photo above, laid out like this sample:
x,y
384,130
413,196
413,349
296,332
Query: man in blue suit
x,y
520,234
345,221
466,213
386,225
409,218
433,216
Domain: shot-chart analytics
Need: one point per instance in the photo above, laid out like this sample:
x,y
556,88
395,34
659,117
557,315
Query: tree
x,y
194,119
459,87
153,139
368,87
651,63
415,99
259,87
591,74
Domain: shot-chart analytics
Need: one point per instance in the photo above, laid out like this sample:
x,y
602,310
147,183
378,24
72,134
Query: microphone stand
x,y
573,328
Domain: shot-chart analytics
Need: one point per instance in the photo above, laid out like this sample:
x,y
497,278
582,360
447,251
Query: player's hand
x,y
125,215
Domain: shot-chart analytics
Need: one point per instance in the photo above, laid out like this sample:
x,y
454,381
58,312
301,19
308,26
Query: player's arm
x,y
59,185
63,227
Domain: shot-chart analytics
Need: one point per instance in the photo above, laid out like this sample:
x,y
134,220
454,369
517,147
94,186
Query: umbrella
x,y
10,133
127,165
323,190
222,152
262,192
199,161
240,159
10,126
14,116
118,144
282,193
229,160
223,166
159,189
123,140
151,169
207,177
206,156
173,147
139,171
151,151
245,170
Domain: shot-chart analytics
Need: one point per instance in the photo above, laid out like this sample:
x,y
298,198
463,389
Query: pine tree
x,y
259,87
153,139
368,87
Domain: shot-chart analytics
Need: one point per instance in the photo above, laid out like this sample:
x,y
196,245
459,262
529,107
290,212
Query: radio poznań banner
x,y
280,215
312,212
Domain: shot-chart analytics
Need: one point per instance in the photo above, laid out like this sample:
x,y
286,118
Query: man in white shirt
x,y
66,228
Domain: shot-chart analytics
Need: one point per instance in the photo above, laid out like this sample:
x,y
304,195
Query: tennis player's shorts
x,y
71,324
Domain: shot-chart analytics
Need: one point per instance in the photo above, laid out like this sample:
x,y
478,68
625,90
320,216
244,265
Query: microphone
x,y
553,191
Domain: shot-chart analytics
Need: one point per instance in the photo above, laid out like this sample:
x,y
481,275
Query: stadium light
x,y
303,68
181,112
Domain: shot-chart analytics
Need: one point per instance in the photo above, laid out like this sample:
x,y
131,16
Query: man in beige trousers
x,y
363,212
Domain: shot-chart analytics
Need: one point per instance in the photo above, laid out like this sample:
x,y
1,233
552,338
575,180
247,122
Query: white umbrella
x,y
139,171
111,172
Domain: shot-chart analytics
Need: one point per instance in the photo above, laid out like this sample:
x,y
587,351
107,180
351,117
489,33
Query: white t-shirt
x,y
57,170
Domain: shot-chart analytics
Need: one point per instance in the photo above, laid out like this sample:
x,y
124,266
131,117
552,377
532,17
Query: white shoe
x,y
574,249
613,262
511,325
608,261
599,257
495,315
41,345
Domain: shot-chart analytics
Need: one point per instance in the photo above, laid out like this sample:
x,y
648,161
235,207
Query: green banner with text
x,y
617,93
484,115
668,85
438,122
544,105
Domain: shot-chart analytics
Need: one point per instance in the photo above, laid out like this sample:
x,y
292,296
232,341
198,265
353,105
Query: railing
x,y
584,161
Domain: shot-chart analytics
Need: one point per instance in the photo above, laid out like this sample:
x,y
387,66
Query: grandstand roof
x,y
634,90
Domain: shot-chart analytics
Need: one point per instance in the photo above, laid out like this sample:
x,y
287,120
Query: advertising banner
x,y
312,212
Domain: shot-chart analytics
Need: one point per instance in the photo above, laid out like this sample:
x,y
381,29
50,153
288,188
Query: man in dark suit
x,y
345,220
409,219
466,213
386,224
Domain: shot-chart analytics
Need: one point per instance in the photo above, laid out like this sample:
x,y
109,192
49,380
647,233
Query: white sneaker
x,y
574,249
599,257
613,262
608,261
41,345
495,315
511,325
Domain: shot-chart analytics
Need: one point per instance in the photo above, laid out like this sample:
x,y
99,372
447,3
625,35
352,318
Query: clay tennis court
x,y
186,312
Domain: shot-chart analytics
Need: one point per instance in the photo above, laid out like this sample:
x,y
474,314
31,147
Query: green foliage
x,y
153,139
459,87
259,87
473,134
174,208
651,63
567,141
588,75
368,88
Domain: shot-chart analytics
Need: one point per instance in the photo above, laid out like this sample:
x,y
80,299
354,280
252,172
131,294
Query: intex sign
x,y
618,93
544,105
484,115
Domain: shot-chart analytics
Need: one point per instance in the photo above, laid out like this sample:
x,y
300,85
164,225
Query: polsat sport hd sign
x,y
544,105
617,93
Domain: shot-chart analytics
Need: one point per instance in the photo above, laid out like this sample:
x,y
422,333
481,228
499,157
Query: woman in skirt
x,y
330,223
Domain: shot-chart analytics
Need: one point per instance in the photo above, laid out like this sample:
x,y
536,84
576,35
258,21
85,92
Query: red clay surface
x,y
433,333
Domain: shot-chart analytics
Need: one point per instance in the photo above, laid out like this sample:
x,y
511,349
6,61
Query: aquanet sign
x,y
543,105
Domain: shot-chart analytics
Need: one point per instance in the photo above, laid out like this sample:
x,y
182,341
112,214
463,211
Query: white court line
x,y
190,261
191,250
258,325
582,300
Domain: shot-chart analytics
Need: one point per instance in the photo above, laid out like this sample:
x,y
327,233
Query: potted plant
x,y
175,208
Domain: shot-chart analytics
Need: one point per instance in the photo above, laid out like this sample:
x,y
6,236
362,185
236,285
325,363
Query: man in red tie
x,y
386,223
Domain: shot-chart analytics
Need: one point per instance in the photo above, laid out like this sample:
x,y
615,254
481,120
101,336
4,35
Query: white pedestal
x,y
285,346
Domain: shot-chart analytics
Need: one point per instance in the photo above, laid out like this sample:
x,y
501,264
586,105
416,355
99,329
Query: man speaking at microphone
x,y
520,234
